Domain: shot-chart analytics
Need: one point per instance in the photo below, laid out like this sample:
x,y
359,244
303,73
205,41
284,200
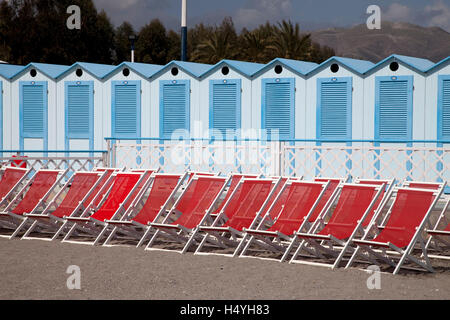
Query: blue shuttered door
x,y
444,108
33,111
393,108
126,111
225,105
334,110
174,107
80,111
278,97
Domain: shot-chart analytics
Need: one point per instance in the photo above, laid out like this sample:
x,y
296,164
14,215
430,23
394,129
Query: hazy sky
x,y
311,14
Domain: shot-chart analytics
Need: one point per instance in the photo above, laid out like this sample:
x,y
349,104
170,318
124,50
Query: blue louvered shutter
x,y
445,109
174,105
79,110
278,106
126,109
225,104
394,108
334,111
34,110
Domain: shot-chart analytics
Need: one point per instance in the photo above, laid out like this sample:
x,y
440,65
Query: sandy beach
x,y
33,269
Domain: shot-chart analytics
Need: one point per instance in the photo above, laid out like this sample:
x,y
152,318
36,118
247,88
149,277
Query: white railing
x,y
421,161
74,161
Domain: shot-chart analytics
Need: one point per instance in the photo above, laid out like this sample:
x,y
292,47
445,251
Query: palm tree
x,y
214,48
288,42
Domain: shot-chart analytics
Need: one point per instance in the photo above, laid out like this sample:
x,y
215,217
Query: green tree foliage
x,y
35,31
122,42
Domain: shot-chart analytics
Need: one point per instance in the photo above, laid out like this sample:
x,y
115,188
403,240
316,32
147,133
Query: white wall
x,y
6,103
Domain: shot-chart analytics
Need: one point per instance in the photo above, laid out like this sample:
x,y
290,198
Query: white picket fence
x,y
365,160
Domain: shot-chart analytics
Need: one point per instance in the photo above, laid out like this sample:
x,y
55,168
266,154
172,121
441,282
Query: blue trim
x,y
440,117
90,134
238,84
114,84
291,81
24,135
440,105
187,106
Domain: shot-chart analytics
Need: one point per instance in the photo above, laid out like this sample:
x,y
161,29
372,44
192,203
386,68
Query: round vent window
x,y
33,73
225,71
126,72
334,68
278,69
394,66
175,71
79,72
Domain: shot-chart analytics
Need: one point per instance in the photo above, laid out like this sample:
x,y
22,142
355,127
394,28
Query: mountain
x,y
374,45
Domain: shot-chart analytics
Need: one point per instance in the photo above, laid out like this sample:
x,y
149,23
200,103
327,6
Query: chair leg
x,y
30,229
19,228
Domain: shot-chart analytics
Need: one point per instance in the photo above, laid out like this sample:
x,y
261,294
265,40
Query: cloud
x,y
398,13
438,15
256,12
137,12
435,14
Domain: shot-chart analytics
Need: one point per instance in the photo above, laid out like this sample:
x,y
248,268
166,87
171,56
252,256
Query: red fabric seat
x,y
10,178
42,183
327,195
162,188
247,202
196,200
407,213
295,203
82,183
236,178
122,186
352,204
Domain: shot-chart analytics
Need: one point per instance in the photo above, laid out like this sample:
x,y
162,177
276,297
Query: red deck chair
x,y
439,239
296,202
11,180
385,195
235,178
242,210
70,201
96,193
332,240
122,193
32,197
408,216
191,174
423,185
136,223
330,193
193,208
